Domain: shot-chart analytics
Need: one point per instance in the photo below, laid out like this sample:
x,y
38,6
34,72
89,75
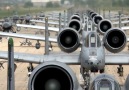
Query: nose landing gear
x,y
30,69
120,70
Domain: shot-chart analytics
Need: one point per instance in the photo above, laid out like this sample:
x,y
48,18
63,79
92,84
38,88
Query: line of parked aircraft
x,y
94,35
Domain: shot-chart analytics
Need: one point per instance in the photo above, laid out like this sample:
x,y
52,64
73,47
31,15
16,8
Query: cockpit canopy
x,y
92,40
104,82
105,85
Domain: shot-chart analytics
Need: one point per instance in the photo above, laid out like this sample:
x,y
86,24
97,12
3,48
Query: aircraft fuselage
x,y
92,54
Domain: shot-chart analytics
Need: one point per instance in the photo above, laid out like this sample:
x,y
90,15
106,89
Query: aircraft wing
x,y
28,36
52,23
118,18
33,58
54,19
123,22
117,59
125,28
38,27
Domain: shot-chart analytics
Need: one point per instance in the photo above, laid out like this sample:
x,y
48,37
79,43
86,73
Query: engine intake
x,y
68,40
92,15
76,17
89,13
75,24
97,19
77,14
115,40
7,26
53,76
104,26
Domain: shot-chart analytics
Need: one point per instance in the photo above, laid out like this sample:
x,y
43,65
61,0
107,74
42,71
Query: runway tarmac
x,y
21,78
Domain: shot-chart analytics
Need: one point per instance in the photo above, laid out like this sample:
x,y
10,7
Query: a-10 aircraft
x,y
72,17
52,73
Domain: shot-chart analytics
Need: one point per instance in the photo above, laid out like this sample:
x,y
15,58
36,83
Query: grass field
x,y
23,11
34,10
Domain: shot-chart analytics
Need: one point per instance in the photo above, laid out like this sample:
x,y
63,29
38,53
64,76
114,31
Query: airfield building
x,y
43,2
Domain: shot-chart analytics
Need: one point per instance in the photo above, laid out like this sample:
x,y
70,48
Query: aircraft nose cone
x,y
52,84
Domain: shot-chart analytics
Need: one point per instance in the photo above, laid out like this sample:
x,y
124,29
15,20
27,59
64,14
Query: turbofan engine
x,y
92,15
104,25
53,76
89,13
77,14
7,26
76,17
96,19
68,40
75,24
115,40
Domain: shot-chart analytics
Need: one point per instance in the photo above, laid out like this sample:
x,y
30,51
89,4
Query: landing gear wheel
x,y
15,67
37,46
30,69
29,43
101,71
120,70
86,76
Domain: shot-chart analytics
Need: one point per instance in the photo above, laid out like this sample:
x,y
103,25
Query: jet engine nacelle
x,y
115,40
96,19
15,18
92,15
77,14
53,76
7,26
76,17
104,25
75,24
68,40
89,13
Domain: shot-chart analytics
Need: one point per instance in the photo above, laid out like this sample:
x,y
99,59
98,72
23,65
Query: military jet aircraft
x,y
92,56
98,20
75,22
74,16
52,68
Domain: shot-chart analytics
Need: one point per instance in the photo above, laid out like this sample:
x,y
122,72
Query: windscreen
x,y
105,85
